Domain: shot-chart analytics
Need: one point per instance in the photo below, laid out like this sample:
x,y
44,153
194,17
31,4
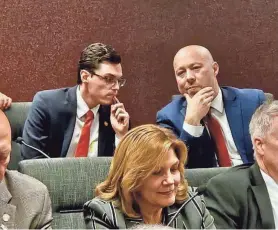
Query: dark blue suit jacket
x,y
51,121
239,104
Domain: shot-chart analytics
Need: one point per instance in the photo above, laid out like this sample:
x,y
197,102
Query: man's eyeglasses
x,y
110,80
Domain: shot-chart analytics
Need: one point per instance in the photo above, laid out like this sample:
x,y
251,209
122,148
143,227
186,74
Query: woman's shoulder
x,y
192,211
192,199
99,206
196,200
99,213
197,207
96,202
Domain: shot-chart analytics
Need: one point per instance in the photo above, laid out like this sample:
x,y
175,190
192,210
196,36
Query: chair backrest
x,y
198,177
17,115
71,182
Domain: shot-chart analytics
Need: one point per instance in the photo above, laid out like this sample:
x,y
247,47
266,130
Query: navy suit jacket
x,y
51,121
239,105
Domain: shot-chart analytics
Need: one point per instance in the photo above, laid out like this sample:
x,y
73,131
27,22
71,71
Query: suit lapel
x,y
69,118
234,115
6,210
106,134
183,108
261,195
180,118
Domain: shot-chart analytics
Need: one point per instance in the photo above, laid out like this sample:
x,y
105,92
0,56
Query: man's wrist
x,y
120,135
195,131
192,121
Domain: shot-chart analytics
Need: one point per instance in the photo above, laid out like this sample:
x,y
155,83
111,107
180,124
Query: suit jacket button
x,y
6,217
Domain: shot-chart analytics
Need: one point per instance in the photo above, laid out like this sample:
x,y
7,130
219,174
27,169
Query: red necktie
x,y
83,144
218,137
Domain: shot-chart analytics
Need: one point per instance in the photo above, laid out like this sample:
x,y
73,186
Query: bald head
x,y
5,144
195,69
194,50
5,129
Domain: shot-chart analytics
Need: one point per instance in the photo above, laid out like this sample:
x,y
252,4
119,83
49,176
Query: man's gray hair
x,y
262,119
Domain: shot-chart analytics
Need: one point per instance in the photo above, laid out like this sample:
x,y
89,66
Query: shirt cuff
x,y
195,131
117,141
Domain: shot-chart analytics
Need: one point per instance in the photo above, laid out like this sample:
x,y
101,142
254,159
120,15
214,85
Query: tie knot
x,y
89,115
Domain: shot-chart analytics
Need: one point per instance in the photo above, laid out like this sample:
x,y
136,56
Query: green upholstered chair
x,y
71,182
17,115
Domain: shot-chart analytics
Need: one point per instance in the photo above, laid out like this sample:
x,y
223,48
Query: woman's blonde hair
x,y
141,152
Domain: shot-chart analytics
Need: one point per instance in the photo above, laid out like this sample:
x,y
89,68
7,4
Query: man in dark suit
x,y
246,196
205,113
85,120
24,201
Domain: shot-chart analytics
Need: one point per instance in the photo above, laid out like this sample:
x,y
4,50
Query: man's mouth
x,y
111,95
192,87
192,90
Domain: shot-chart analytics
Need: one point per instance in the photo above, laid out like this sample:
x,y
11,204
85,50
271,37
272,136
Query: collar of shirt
x,y
217,102
270,183
82,107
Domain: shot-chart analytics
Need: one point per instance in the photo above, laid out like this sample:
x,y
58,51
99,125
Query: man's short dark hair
x,y
95,54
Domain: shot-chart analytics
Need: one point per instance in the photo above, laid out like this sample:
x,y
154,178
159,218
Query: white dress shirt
x,y
272,188
218,111
82,109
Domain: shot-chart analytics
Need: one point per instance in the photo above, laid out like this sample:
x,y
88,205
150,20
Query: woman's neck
x,y
152,216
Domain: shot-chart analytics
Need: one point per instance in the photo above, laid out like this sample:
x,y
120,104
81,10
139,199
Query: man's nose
x,y
190,76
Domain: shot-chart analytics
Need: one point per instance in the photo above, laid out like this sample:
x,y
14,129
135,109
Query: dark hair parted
x,y
95,54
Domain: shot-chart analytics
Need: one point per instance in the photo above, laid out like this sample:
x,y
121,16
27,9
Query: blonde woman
x,y
146,185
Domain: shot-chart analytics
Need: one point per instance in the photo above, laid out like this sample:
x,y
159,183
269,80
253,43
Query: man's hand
x,y
119,118
5,102
198,106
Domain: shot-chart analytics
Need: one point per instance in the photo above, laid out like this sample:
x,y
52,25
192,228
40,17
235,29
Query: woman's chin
x,y
168,202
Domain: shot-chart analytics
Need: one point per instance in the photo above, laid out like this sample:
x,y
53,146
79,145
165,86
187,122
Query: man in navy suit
x,y
60,121
201,96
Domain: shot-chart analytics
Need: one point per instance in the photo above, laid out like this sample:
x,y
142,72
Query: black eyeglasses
x,y
111,80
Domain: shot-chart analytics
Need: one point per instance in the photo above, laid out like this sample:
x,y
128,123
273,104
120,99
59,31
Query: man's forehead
x,y
110,68
274,127
192,54
108,65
